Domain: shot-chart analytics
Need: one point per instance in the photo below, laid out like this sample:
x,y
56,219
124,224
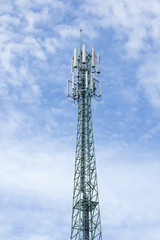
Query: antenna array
x,y
85,68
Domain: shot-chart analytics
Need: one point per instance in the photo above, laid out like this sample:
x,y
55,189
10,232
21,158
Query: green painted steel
x,y
86,221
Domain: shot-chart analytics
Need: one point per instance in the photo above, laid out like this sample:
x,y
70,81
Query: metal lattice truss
x,y
86,222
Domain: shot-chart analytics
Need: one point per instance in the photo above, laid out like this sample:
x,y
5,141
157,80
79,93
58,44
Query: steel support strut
x,y
83,167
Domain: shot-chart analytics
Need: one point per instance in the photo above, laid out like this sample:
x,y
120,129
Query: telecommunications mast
x,y
85,85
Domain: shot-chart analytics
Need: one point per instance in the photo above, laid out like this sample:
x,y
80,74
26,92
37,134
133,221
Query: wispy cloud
x,y
125,194
149,79
135,25
38,126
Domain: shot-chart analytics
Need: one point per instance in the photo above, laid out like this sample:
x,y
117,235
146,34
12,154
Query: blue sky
x,y
38,125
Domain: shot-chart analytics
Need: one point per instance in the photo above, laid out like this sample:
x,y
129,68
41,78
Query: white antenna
x,y
93,58
85,68
75,58
98,63
86,79
84,53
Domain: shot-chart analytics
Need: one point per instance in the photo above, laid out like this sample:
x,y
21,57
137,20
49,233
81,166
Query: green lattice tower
x,y
86,222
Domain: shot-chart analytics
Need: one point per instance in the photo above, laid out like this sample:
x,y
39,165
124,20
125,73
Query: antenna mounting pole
x,y
81,39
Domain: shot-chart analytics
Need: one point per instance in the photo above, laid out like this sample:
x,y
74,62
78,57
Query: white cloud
x,y
30,171
149,78
37,158
132,21
35,180
36,188
129,193
135,24
151,133
5,8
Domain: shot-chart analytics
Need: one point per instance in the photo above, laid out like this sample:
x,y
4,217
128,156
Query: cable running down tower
x,y
85,70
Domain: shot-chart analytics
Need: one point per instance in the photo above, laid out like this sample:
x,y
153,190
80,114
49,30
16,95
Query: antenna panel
x,y
86,79
75,58
98,63
93,58
84,53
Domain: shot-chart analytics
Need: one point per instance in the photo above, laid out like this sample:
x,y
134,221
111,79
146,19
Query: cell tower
x,y
85,69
